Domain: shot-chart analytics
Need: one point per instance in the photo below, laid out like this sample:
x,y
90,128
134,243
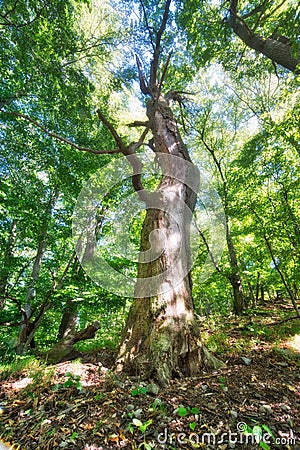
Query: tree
x,y
272,205
233,275
51,110
40,178
160,338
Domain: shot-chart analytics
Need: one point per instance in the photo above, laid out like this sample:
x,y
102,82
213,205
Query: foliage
x,y
61,61
73,381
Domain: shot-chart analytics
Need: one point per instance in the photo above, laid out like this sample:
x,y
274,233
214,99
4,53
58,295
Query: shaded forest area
x,y
149,224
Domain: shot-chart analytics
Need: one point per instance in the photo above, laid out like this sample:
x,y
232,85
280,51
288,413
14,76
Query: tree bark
x,y
6,263
161,339
234,277
64,350
257,289
277,51
28,329
68,321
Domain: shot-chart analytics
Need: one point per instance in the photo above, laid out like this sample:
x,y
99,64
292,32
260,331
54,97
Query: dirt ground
x,y
92,409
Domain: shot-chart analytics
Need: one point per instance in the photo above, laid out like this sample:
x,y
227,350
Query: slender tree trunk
x,y
257,289
262,293
234,278
161,338
282,276
6,263
28,329
251,295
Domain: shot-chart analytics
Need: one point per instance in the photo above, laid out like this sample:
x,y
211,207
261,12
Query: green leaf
x,y
193,425
143,390
257,433
145,445
68,383
182,411
267,429
69,374
263,445
137,422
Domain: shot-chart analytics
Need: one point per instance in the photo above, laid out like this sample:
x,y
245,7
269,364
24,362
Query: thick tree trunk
x,y
161,338
68,321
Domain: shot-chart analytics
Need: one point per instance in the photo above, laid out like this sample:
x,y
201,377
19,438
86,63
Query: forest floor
x,y
254,402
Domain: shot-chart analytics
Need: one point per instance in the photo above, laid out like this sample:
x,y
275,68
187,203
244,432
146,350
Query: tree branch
x,y
163,24
255,10
263,17
213,260
273,324
138,123
130,153
147,24
21,25
164,72
155,61
143,85
60,138
110,127
278,52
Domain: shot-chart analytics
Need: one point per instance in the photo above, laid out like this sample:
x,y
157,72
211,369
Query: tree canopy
x,y
149,214
78,79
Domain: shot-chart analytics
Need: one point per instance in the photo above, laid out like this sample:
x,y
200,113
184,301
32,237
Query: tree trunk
x,y
251,298
64,350
7,261
161,339
262,294
234,278
28,329
68,321
238,295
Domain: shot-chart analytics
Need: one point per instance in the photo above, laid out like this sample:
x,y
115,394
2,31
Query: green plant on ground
x,y
73,381
139,390
222,382
258,433
97,426
193,425
73,436
160,406
183,411
142,427
218,342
